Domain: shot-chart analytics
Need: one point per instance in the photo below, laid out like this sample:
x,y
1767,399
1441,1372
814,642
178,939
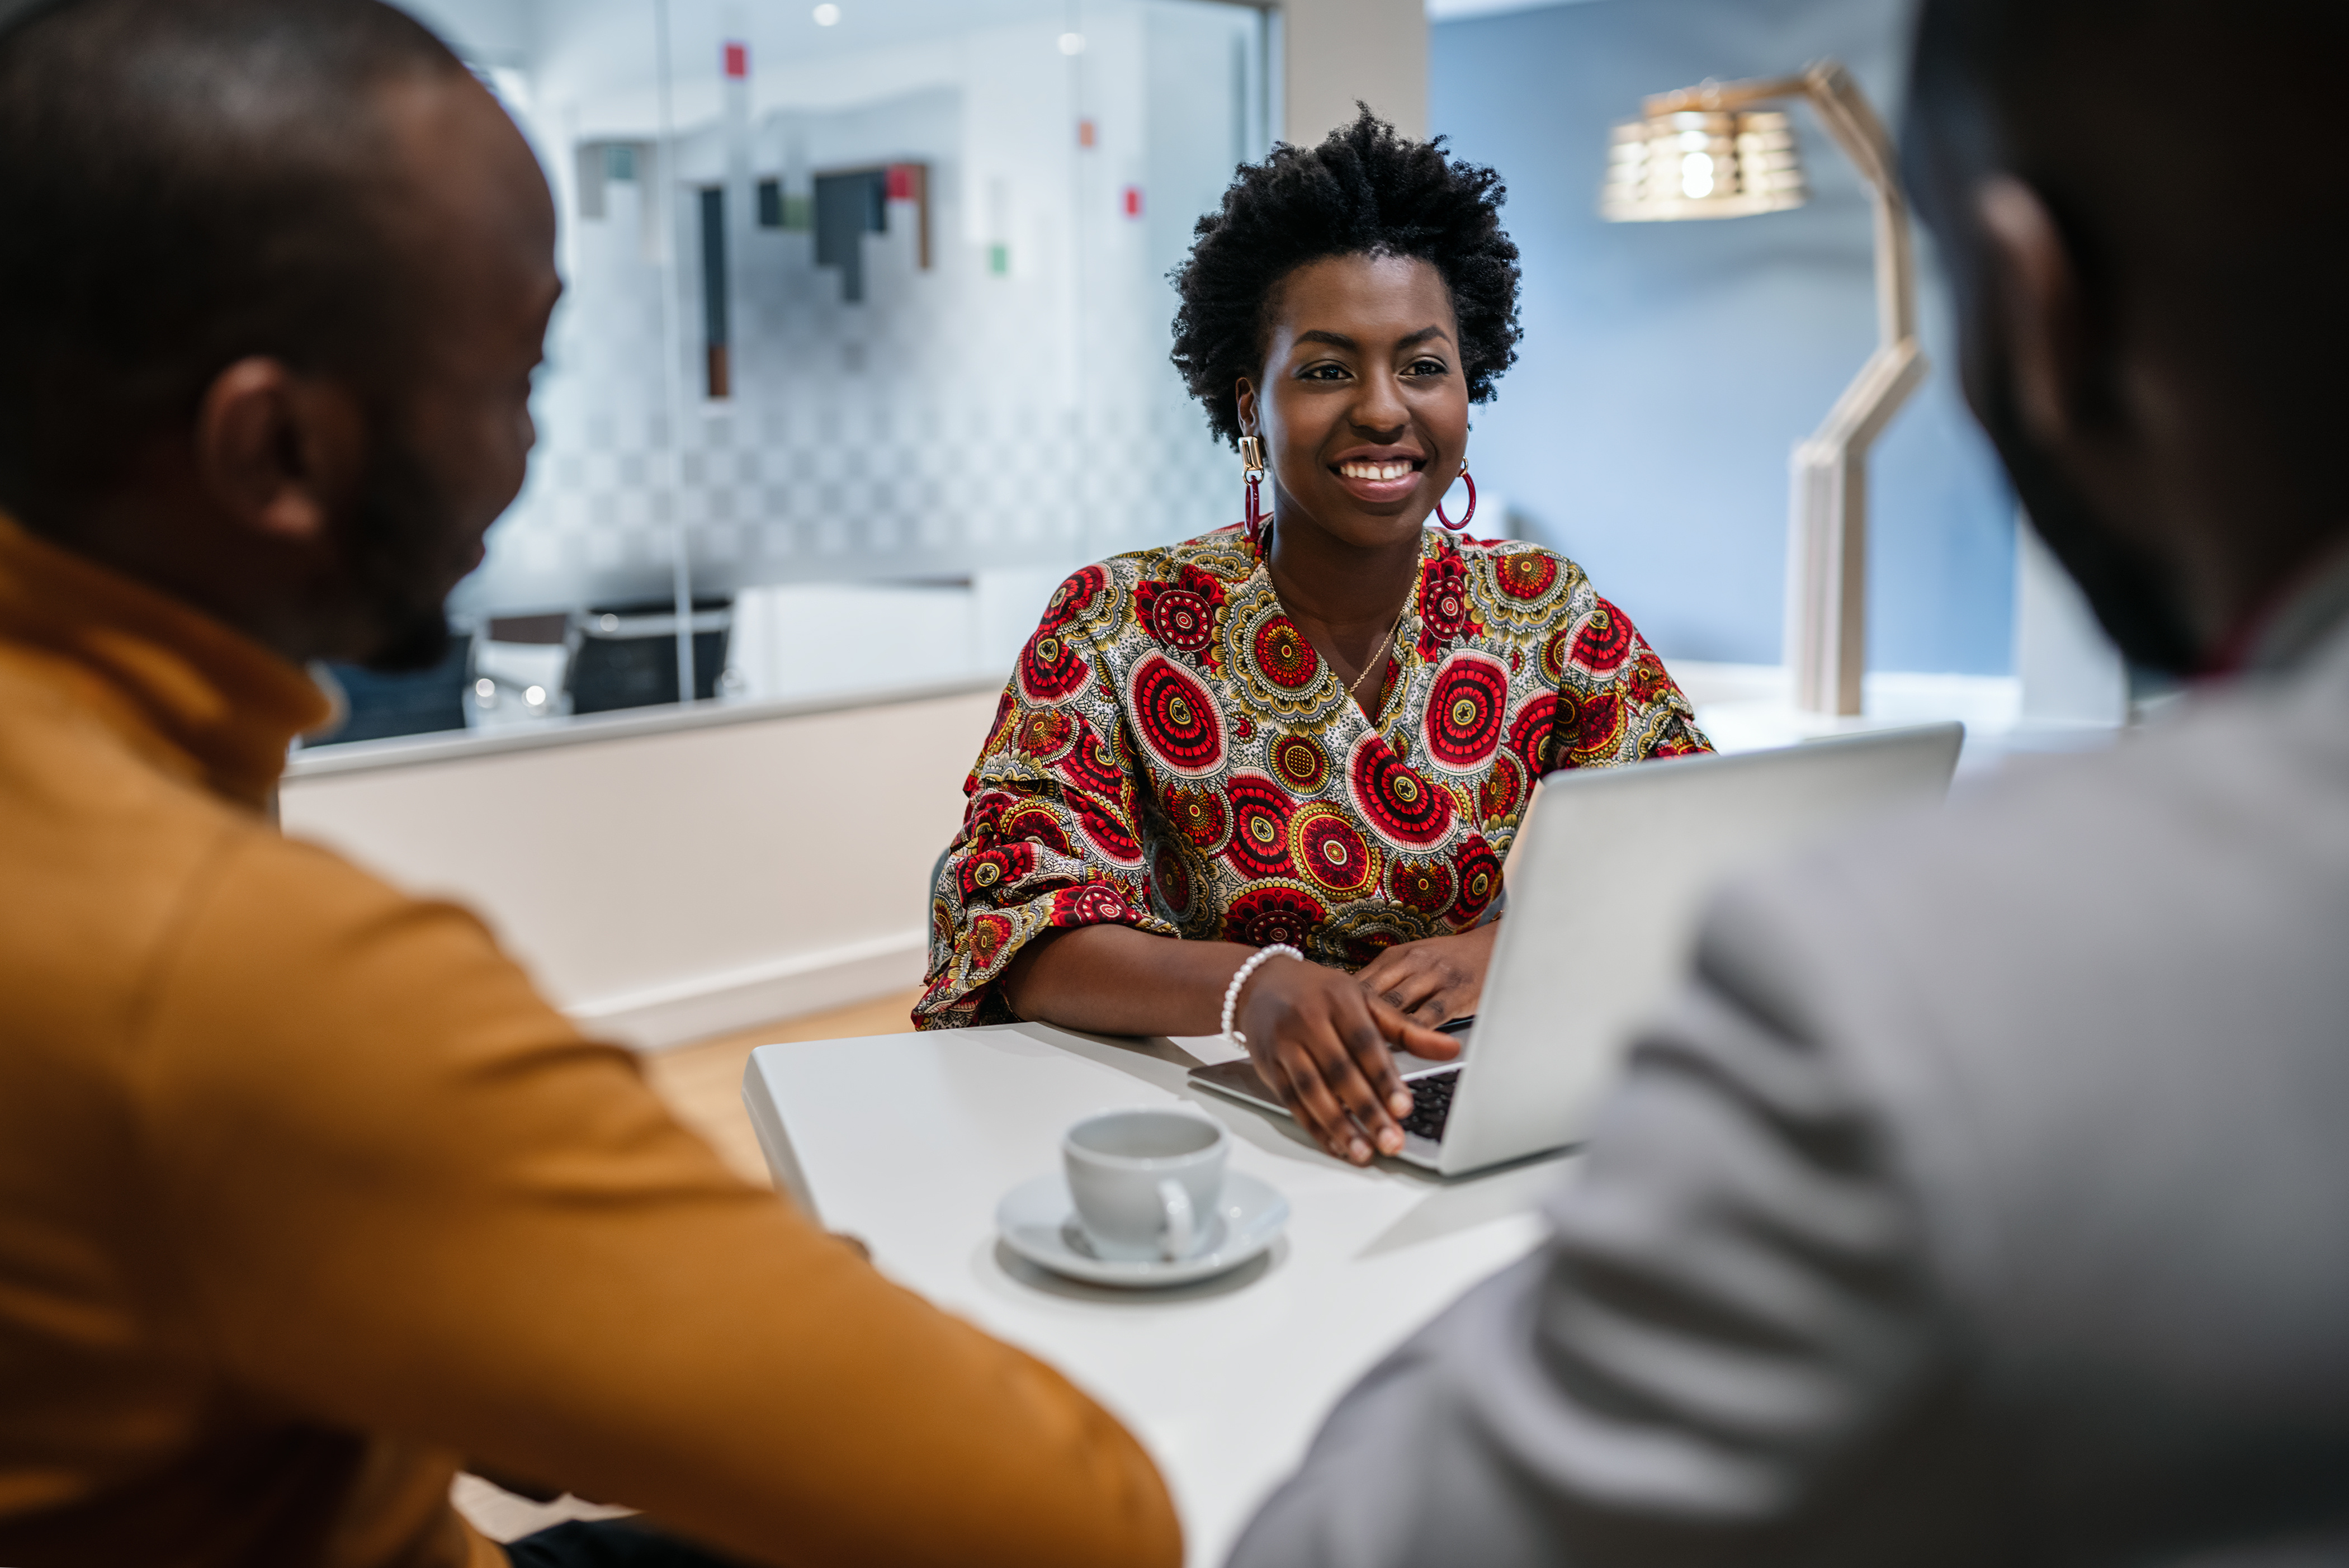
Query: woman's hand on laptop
x,y
1321,1042
1435,981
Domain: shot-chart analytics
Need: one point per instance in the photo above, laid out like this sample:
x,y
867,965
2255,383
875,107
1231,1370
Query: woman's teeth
x,y
1373,470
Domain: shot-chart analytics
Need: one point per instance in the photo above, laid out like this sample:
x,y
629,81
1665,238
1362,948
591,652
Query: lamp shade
x,y
1701,163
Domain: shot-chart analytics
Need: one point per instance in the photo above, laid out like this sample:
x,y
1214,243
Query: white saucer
x,y
1039,1221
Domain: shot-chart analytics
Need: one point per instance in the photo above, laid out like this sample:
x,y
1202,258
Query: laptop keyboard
x,y
1431,1103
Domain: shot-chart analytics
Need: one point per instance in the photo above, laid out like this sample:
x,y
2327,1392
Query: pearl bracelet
x,y
1232,991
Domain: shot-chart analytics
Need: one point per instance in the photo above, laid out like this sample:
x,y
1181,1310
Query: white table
x,y
908,1141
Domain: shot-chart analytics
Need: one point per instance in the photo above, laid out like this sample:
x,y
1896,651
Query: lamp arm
x,y
1874,396
1826,577
1849,118
1716,98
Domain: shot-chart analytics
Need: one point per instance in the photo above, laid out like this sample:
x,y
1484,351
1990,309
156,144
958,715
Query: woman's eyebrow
x,y
1339,340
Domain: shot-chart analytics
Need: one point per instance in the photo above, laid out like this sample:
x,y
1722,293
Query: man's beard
x,y
401,561
2123,585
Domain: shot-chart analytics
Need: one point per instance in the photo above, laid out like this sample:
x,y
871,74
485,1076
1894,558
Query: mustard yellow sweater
x,y
303,1194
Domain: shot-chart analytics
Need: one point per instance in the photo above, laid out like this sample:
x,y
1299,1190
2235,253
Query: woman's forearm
x,y
1317,1037
1114,980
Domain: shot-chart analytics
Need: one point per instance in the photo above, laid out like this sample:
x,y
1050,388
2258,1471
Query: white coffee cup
x,y
1145,1182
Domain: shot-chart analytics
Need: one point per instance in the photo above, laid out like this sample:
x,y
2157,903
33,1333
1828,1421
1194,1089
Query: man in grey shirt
x,y
1984,1196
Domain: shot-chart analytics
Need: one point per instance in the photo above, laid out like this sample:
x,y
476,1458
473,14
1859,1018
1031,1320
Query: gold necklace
x,y
1386,644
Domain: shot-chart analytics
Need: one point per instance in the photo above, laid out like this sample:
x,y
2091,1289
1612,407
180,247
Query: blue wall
x,y
1668,367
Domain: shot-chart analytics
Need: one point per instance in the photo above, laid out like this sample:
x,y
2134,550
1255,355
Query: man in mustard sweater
x,y
303,1194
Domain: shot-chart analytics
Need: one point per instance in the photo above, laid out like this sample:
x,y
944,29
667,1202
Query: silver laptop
x,y
1605,884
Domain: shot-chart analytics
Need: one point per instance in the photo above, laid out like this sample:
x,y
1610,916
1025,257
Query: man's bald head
x,y
274,276
187,182
2142,212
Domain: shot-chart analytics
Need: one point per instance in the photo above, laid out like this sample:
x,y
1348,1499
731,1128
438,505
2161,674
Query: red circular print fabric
x,y
1478,870
1169,754
1329,854
1646,680
1363,931
1199,815
1260,813
1173,880
992,868
1423,887
1181,619
1045,735
1106,832
1081,592
1286,660
1401,807
1093,904
1553,655
1039,824
1263,916
1462,726
1182,614
1502,790
1178,721
1444,612
989,936
1301,764
1597,727
1530,733
1525,576
1049,670
1603,640
983,821
1093,765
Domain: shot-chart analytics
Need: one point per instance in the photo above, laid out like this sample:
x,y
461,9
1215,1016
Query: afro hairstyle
x,y
1363,191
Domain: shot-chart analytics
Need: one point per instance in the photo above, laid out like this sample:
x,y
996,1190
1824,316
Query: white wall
x,y
1336,51
664,886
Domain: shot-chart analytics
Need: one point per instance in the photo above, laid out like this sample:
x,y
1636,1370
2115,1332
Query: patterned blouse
x,y
1171,755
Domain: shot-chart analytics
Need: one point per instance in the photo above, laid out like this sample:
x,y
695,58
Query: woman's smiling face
x,y
1363,406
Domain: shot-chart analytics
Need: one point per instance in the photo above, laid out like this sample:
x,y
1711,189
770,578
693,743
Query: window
x,y
863,348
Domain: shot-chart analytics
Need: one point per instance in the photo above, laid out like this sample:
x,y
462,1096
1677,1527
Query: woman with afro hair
x,y
1319,728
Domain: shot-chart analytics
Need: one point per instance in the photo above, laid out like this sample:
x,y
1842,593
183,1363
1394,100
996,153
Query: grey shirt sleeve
x,y
1725,1352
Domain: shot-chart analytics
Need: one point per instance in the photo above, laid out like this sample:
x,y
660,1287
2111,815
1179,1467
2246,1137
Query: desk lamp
x,y
1711,152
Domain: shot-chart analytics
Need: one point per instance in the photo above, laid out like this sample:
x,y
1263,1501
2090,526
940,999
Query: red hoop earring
x,y
1252,467
1465,517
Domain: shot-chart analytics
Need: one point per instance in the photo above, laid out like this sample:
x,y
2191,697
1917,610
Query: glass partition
x,y
863,343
